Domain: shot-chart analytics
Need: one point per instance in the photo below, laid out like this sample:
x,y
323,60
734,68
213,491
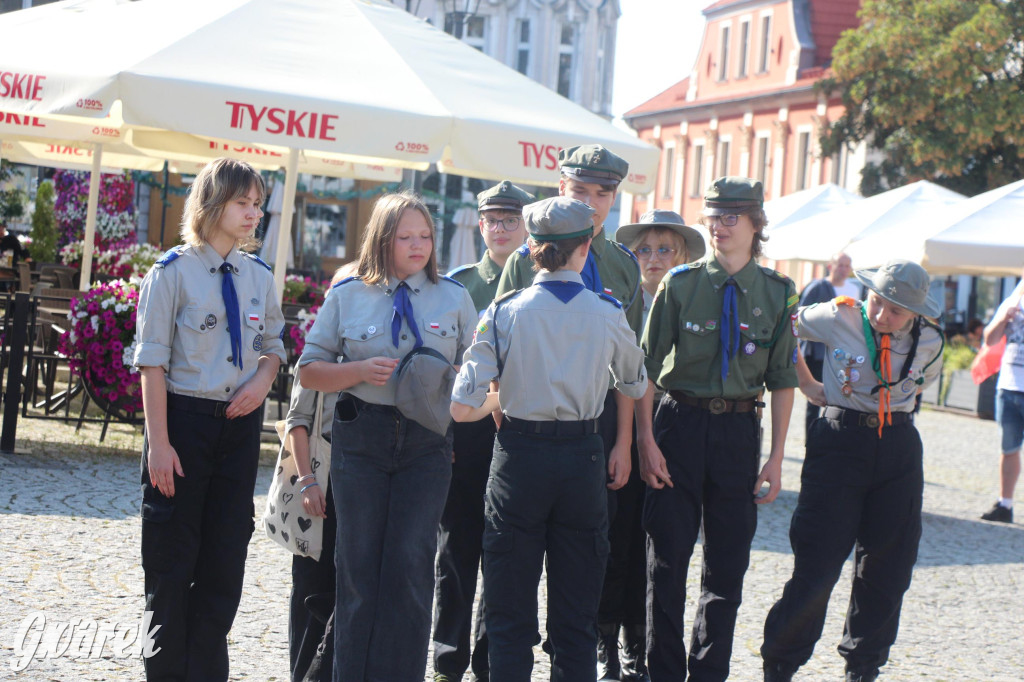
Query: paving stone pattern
x,y
69,549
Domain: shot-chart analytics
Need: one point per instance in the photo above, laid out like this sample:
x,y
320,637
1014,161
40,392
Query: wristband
x,y
300,479
308,486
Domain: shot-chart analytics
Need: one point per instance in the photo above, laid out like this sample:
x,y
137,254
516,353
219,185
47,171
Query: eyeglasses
x,y
662,251
729,219
509,224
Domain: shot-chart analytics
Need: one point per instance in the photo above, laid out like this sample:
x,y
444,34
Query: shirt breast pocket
x,y
362,340
441,333
255,326
197,325
754,348
697,343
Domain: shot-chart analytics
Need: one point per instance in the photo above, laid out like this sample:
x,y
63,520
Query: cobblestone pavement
x,y
69,542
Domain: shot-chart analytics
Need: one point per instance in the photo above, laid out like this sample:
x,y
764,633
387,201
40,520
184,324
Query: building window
x,y
803,160
723,55
669,173
471,30
723,158
766,38
523,54
840,160
741,69
761,173
565,59
698,170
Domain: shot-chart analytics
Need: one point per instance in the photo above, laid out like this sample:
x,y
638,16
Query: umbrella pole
x,y
90,217
284,235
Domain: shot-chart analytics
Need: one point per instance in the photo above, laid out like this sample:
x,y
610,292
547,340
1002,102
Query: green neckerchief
x,y
869,340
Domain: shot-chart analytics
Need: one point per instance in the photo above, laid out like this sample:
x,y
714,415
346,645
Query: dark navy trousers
x,y
862,493
713,462
460,545
194,544
390,478
545,495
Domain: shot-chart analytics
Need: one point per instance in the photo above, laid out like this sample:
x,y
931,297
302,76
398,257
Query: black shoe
x,y
634,655
775,671
608,667
861,675
998,513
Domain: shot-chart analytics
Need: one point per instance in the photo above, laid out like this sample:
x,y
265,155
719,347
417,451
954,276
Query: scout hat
x,y
592,163
904,283
423,391
695,247
732,194
504,197
557,218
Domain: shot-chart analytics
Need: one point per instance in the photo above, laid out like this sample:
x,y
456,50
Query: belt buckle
x,y
871,420
717,405
220,410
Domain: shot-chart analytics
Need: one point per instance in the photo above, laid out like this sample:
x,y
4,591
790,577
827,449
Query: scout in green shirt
x,y
719,331
501,226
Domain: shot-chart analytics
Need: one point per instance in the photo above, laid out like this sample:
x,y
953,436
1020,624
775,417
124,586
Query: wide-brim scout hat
x,y
558,218
504,197
732,194
629,234
904,283
423,392
593,163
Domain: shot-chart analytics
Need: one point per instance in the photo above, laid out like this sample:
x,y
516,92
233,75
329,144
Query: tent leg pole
x,y
95,178
284,236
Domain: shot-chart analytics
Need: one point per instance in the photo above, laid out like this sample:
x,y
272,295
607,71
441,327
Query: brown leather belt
x,y
864,419
585,427
716,405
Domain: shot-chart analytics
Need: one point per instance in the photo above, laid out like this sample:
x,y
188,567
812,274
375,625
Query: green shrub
x,y
43,248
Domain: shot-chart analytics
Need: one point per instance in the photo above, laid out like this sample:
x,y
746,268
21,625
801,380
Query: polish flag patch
x,y
254,317
744,326
608,291
435,325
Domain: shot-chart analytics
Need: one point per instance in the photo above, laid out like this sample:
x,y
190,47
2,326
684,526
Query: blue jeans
x,y
390,478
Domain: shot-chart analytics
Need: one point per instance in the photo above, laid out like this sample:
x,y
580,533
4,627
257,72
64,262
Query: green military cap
x,y
505,197
557,218
732,194
592,163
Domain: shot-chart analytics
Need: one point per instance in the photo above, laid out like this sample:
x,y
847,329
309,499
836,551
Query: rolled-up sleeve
x,y
781,370
479,364
154,324
468,319
659,337
323,342
300,411
627,364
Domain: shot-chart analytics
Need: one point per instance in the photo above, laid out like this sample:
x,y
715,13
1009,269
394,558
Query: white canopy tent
x,y
806,203
821,236
982,235
361,79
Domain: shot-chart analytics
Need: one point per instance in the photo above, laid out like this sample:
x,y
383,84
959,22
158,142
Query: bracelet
x,y
300,479
308,486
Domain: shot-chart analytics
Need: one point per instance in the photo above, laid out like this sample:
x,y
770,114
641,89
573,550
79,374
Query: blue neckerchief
x,y
591,277
564,291
227,291
729,334
403,310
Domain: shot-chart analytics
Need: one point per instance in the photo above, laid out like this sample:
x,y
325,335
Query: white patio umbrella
x,y
362,78
269,248
806,203
821,236
462,249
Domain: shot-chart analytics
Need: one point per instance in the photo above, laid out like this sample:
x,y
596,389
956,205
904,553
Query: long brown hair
x,y
379,236
553,255
219,182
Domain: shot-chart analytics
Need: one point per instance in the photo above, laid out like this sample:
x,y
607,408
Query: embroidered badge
x,y
710,324
794,324
254,301
794,355
482,328
744,326
749,348
211,321
854,375
907,386
757,312
254,317
257,343
793,300
435,325
371,329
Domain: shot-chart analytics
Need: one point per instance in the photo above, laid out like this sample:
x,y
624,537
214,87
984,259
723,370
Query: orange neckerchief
x,y
884,397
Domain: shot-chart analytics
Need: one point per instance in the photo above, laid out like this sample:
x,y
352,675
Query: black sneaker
x,y
998,513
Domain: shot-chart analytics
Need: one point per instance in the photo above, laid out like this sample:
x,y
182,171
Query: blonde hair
x,y
379,236
220,182
682,252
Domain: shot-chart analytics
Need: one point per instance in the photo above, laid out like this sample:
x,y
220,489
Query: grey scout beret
x,y
558,218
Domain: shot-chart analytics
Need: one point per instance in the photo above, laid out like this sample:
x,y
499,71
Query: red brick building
x,y
749,106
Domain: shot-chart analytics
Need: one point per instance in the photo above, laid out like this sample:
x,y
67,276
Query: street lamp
x,y
456,18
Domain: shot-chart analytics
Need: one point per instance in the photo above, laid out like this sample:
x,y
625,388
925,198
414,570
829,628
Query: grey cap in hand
x,y
423,392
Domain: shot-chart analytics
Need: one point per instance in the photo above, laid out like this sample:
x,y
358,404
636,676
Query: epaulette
x,y
775,274
461,268
685,267
347,279
523,250
170,256
507,294
259,260
453,281
628,252
611,299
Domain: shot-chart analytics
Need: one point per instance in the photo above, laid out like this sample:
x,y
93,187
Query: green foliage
x,y
938,87
12,201
955,357
43,248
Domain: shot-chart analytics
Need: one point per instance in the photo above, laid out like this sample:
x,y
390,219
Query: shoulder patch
x,y
253,256
775,274
461,268
523,250
453,281
507,294
611,299
170,256
627,252
679,268
346,280
792,300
